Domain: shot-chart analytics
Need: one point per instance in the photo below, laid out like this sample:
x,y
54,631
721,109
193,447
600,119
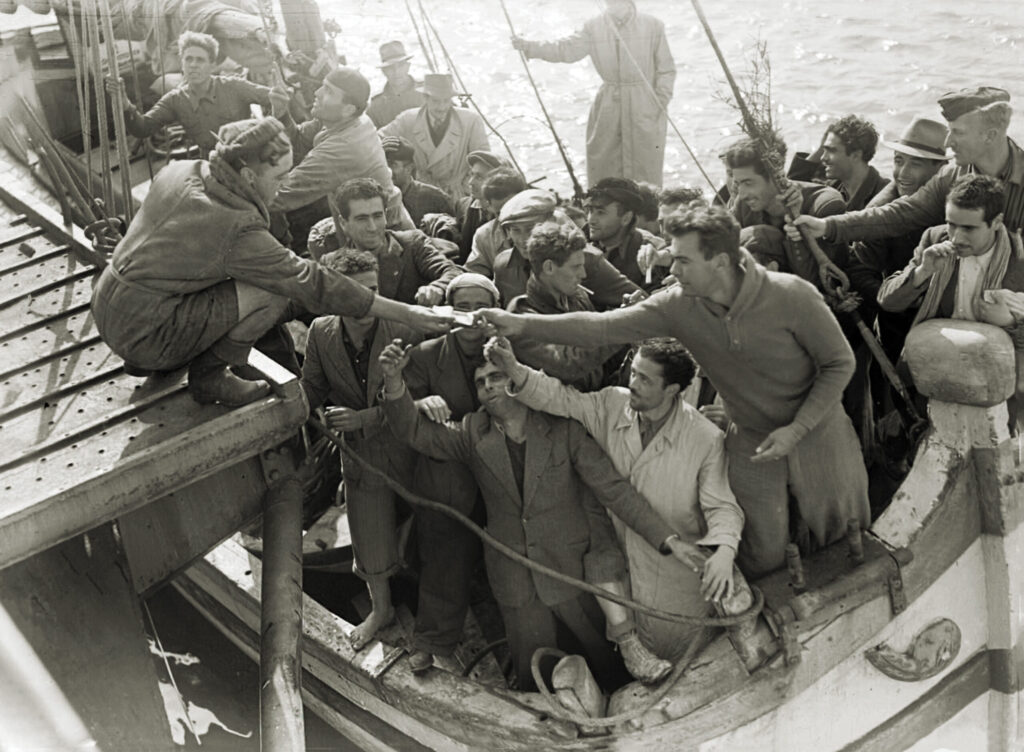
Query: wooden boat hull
x,y
944,667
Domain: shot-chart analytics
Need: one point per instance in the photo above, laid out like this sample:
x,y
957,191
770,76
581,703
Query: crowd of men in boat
x,y
637,391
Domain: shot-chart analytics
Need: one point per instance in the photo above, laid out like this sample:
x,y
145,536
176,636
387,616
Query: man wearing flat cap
x,y
442,135
471,211
978,120
339,144
524,211
419,198
918,153
401,92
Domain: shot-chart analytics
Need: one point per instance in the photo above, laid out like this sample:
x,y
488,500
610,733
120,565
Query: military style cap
x,y
955,104
533,203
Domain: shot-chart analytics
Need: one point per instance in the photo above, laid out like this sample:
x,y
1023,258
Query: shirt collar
x,y
195,97
669,433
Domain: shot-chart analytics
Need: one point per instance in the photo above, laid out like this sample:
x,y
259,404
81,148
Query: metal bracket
x,y
786,632
897,596
277,464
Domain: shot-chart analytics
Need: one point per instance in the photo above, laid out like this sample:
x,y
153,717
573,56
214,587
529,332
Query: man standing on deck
x,y
339,144
400,92
627,125
774,352
442,135
842,162
978,120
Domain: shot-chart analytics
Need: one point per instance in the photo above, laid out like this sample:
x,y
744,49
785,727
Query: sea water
x,y
885,61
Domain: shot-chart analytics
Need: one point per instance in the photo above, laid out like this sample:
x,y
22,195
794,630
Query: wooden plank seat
x,y
81,442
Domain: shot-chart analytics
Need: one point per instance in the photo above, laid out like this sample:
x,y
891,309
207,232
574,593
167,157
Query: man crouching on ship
x,y
198,278
538,475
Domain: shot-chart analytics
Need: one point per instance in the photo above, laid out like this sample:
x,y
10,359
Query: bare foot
x,y
377,620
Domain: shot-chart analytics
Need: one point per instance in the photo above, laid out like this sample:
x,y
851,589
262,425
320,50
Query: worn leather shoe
x,y
222,386
642,664
420,661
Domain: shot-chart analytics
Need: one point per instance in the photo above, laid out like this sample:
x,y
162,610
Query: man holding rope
x,y
775,354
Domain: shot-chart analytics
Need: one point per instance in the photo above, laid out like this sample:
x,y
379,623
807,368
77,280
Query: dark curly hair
x,y
977,191
358,189
745,153
856,134
553,241
676,364
350,261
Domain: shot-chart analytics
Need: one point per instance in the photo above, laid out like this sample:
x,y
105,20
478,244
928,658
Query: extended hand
x,y
499,322
779,443
428,321
716,581
792,198
115,85
393,359
518,43
815,227
279,100
429,295
435,408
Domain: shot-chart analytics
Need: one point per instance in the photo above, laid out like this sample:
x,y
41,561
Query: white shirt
x,y
969,276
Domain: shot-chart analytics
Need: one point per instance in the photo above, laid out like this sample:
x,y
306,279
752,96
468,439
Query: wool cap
x,y
471,279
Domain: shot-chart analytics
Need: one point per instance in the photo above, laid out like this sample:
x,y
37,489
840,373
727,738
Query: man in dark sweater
x,y
775,353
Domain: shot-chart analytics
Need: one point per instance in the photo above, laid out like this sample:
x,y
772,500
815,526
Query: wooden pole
x,y
281,722
90,13
830,274
117,109
576,187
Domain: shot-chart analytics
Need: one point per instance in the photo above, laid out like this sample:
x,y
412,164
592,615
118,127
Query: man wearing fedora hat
x,y
978,120
442,135
339,144
918,153
401,92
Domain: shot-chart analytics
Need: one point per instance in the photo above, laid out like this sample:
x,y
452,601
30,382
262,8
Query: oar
x,y
827,270
576,187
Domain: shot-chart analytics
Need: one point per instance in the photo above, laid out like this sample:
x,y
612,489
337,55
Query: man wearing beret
x,y
400,92
339,144
442,135
978,120
518,217
419,198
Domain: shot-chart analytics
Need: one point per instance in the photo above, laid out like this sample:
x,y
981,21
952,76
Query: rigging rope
x,y
662,107
423,45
